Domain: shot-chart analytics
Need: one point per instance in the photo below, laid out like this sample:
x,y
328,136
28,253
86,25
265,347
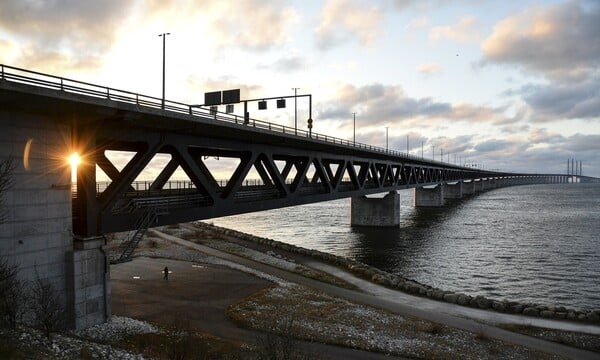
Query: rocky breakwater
x,y
415,288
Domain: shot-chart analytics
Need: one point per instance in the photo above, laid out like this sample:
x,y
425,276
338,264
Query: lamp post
x,y
407,151
164,36
386,139
295,110
354,128
433,151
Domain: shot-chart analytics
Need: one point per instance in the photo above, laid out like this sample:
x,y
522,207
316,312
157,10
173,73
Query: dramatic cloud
x,y
59,33
348,20
429,69
559,41
465,31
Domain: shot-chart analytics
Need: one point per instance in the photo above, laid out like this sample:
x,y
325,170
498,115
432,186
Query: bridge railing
x,y
18,75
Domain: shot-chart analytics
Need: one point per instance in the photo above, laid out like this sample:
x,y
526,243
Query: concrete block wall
x,y
37,233
89,289
381,212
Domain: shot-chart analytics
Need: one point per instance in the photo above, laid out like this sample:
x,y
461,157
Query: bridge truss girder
x,y
288,176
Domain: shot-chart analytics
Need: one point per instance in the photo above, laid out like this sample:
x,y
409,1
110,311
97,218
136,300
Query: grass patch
x,y
570,338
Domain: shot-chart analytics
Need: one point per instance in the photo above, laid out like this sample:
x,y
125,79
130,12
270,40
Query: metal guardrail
x,y
23,76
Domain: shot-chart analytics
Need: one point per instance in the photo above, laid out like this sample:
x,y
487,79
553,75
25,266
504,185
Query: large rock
x,y
451,298
531,311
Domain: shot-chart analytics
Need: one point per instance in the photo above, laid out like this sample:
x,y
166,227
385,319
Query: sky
x,y
507,85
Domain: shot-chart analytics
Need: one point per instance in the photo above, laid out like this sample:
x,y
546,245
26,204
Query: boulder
x,y
531,311
483,303
516,308
547,314
462,299
450,297
594,316
498,306
560,315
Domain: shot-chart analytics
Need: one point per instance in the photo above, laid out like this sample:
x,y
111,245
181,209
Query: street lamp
x,y
295,110
354,127
386,139
164,36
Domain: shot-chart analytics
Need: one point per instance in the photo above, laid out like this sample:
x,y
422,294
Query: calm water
x,y
537,243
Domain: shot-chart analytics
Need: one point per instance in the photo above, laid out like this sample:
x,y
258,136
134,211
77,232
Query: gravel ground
x,y
91,343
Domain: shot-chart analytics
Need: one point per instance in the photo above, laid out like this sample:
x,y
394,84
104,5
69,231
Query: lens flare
x,y
74,160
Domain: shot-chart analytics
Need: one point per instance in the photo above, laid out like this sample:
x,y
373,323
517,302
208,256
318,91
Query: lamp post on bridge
x,y
354,128
386,139
164,36
295,110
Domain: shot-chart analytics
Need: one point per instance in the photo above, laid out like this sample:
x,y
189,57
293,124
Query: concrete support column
x,y
88,283
378,212
453,191
425,197
468,187
485,184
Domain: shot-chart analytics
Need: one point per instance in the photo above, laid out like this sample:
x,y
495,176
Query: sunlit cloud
x,y
557,41
465,31
73,33
348,20
429,69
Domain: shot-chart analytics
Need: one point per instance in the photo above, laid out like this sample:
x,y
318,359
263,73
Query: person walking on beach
x,y
166,273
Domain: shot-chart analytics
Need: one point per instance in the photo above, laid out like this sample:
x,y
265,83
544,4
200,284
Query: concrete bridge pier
x,y
88,282
377,212
468,187
37,236
429,197
453,191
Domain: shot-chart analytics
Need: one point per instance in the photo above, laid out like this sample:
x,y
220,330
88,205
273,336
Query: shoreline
x,y
380,277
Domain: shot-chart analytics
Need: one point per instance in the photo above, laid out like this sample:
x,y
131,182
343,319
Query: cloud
x,y
429,69
380,104
252,24
418,23
465,31
286,64
347,20
542,136
557,41
565,101
72,32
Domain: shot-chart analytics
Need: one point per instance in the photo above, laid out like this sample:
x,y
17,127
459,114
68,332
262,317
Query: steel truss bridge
x,y
294,167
